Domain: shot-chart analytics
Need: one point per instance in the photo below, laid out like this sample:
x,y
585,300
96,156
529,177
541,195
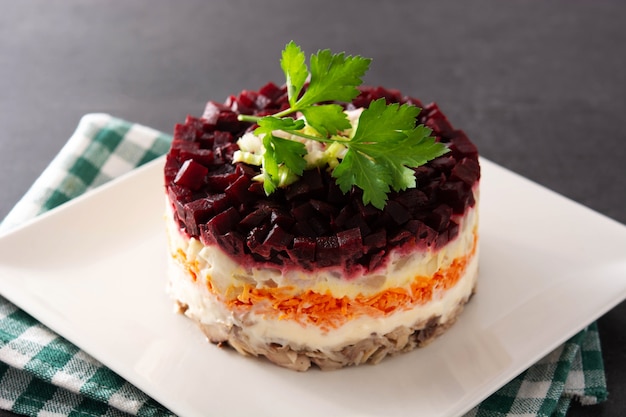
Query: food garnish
x,y
374,152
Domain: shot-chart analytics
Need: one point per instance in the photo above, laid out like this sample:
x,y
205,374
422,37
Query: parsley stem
x,y
255,119
248,118
310,137
285,112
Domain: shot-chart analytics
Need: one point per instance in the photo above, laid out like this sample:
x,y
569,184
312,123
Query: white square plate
x,y
93,270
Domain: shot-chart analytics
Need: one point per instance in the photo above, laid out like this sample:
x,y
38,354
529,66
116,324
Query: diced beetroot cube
x,y
455,194
335,195
443,163
313,179
224,154
376,260
224,222
460,143
207,139
207,237
195,123
170,170
439,218
412,199
445,237
309,183
256,188
303,212
303,251
230,101
262,102
398,213
423,174
207,128
184,145
433,184
303,228
255,240
245,102
281,218
413,101
191,175
203,156
390,95
438,122
238,190
345,214
376,240
350,242
231,243
220,202
196,213
272,91
212,112
366,212
228,121
362,100
467,170
247,170
453,230
401,237
327,251
425,235
323,208
298,189
221,139
471,200
361,223
179,196
442,240
255,218
278,239
412,226
183,132
282,102
319,226
218,181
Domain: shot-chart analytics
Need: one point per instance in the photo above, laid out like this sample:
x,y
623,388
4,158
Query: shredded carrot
x,y
327,311
192,268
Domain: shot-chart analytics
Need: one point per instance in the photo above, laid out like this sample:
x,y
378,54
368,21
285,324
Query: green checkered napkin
x,y
42,374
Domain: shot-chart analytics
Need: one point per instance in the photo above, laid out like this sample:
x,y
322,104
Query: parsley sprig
x,y
378,153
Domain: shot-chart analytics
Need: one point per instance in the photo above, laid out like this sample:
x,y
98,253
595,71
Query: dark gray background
x,y
539,86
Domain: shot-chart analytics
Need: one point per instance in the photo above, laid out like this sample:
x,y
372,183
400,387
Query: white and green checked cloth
x,y
42,374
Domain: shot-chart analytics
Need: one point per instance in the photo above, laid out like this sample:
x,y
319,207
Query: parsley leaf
x,y
328,119
334,77
378,155
269,167
387,133
296,72
358,169
290,153
382,123
279,151
268,124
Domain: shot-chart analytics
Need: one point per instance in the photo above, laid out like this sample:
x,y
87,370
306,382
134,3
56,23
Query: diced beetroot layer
x,y
310,224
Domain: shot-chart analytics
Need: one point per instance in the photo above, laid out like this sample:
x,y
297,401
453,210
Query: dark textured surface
x,y
539,86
